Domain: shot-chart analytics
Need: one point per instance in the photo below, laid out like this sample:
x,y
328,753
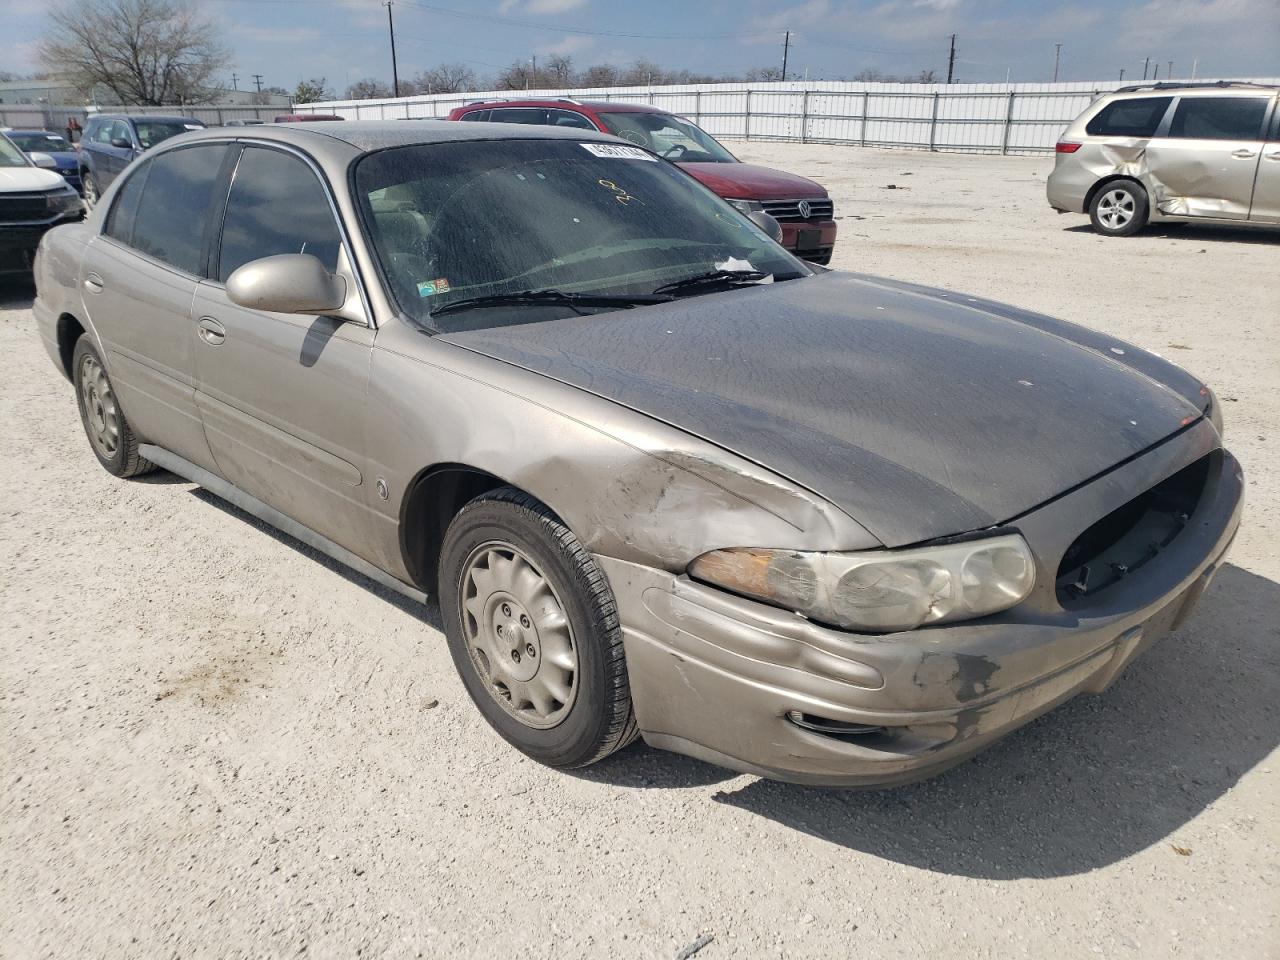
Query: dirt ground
x,y
215,743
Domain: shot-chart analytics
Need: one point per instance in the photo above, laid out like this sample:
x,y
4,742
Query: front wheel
x,y
533,631
1119,209
89,187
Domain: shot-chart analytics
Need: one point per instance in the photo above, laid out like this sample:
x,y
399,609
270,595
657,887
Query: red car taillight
x,y
1066,146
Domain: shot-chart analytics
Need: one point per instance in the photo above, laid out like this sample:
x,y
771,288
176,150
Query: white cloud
x,y
547,7
567,46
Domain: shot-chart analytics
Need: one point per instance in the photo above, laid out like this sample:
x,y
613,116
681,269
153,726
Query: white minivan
x,y
1172,152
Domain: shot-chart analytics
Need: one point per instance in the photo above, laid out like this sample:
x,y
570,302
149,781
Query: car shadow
x,y
1208,232
17,293
1091,783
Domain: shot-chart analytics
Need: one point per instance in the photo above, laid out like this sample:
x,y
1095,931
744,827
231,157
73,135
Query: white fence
x,y
968,117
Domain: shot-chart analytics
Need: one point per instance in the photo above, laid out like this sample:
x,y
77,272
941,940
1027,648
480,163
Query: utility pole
x,y
1057,56
1122,74
1155,74
786,47
1194,65
1169,73
257,81
234,81
951,60
395,73
1146,65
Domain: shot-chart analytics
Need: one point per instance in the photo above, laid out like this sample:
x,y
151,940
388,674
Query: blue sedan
x,y
55,145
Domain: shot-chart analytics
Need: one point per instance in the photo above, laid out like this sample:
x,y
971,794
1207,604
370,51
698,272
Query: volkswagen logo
x,y
805,208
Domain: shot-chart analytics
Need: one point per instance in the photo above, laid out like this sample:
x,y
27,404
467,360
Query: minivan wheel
x,y
1119,209
89,186
533,631
112,439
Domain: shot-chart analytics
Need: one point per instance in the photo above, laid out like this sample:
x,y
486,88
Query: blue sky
x,y
344,40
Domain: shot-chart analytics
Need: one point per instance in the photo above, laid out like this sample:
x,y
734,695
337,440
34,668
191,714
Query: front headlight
x,y
747,207
63,201
880,591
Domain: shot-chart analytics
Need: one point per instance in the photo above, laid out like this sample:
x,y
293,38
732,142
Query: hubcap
x,y
518,635
90,187
1116,208
101,415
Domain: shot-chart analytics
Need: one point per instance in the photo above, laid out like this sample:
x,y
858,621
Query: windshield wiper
x,y
571,300
716,278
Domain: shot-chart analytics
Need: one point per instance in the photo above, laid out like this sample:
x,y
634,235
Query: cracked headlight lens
x,y
884,590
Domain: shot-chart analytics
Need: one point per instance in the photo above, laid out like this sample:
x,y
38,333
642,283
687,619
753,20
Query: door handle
x,y
1274,155
93,283
1244,153
211,331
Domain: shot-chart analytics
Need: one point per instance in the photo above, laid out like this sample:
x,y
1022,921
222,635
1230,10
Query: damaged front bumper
x,y
763,691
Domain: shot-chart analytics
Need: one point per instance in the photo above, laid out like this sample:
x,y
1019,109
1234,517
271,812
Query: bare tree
x,y
148,52
872,75
444,78
600,75
763,73
312,91
557,72
925,76
367,89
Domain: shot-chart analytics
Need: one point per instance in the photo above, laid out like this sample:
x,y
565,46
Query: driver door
x,y
282,396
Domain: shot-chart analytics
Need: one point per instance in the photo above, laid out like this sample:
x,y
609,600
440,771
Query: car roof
x,y
32,130
367,135
145,116
609,106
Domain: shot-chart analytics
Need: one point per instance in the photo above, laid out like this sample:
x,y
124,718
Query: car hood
x,y
66,159
746,181
919,413
17,179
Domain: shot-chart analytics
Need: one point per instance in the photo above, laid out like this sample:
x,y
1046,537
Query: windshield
x,y
454,221
11,156
151,132
31,142
670,136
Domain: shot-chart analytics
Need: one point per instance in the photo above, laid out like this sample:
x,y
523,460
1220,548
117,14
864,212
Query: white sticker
x,y
616,151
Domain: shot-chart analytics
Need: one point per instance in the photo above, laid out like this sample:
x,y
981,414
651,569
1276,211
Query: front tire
x,y
1119,209
112,439
533,631
89,189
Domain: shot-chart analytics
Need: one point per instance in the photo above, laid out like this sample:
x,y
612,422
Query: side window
x,y
567,118
176,203
118,129
519,115
1219,118
125,209
1129,118
99,131
476,115
276,206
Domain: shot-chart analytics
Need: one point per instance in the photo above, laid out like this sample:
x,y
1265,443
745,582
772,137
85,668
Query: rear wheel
x,y
1119,209
112,439
533,631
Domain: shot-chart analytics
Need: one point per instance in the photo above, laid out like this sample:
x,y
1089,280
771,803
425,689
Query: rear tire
x,y
110,437
533,631
1119,209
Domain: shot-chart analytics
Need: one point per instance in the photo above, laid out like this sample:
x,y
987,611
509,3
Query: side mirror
x,y
44,161
287,283
767,224
124,143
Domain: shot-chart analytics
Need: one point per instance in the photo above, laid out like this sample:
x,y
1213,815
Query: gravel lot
x,y
215,743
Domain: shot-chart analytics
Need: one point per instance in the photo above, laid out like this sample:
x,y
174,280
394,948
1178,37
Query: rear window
x,y
1219,118
475,115
1129,118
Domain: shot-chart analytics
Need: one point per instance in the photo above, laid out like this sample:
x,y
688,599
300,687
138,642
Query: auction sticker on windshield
x,y
616,151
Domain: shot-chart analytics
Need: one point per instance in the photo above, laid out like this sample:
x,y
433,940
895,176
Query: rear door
x,y
282,395
138,279
1266,190
1205,163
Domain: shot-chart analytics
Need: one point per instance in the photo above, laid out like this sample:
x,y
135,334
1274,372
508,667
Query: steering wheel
x,y
670,152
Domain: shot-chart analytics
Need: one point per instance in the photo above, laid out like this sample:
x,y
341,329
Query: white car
x,y
31,201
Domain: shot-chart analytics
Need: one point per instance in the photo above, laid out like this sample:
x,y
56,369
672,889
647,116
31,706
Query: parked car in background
x,y
55,145
112,141
31,201
802,208
665,478
1172,152
306,118
247,122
